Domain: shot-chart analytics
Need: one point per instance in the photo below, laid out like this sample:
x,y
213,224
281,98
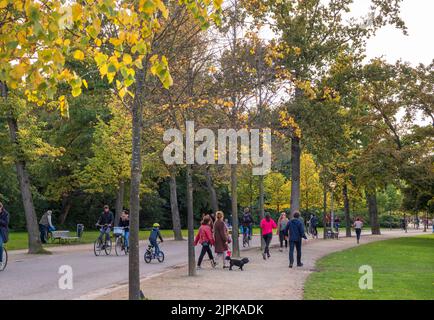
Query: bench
x,y
64,235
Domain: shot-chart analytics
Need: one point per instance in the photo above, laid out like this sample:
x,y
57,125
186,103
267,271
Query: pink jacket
x,y
204,235
268,226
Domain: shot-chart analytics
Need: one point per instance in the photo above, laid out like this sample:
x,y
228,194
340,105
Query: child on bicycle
x,y
124,222
155,234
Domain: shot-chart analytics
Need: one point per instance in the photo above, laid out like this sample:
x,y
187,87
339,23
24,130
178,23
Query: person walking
x,y
314,225
221,238
46,225
267,225
295,232
358,225
281,226
4,231
205,238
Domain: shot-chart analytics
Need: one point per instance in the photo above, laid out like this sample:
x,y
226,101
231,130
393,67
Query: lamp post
x,y
332,218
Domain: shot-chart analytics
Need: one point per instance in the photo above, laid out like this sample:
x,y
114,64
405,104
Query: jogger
x,y
358,224
267,225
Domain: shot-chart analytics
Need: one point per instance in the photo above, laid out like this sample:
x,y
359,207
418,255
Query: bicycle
x,y
150,254
119,233
5,259
100,245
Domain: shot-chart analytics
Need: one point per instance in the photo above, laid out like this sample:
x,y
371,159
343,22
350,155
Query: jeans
x,y
282,238
297,245
1,248
127,236
205,249
267,238
43,230
156,247
358,232
104,231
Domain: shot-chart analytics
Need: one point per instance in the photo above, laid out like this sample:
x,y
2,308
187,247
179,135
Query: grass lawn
x,y
18,240
403,269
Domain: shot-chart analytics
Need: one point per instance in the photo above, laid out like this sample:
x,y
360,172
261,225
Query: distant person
x,y
295,233
221,238
205,238
247,223
105,221
124,222
4,231
416,223
404,224
432,225
46,225
337,223
314,226
155,234
267,225
281,226
358,225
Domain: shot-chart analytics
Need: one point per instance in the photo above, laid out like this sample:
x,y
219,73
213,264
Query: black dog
x,y
238,263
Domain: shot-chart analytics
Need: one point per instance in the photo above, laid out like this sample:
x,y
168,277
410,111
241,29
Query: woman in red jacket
x,y
205,238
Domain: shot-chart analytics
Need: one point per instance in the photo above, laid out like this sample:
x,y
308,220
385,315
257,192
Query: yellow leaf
x,y
127,59
3,4
85,83
78,55
77,12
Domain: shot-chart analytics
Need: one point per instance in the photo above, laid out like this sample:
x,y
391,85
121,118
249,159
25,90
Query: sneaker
x,y
290,265
281,250
198,267
263,256
299,264
268,255
213,263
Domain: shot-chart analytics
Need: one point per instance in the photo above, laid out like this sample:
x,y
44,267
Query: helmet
x,y
156,225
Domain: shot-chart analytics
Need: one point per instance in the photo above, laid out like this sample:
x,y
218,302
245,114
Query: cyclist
x,y
155,233
105,221
4,231
124,222
247,223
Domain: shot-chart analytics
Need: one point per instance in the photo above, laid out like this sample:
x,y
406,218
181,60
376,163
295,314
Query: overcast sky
x,y
417,47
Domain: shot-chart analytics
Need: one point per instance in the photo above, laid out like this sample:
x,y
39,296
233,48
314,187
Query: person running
x,y
221,238
247,223
46,225
155,234
124,222
295,232
105,221
281,226
205,238
267,225
4,231
358,225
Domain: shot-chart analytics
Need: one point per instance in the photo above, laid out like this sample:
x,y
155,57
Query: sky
x,y
417,47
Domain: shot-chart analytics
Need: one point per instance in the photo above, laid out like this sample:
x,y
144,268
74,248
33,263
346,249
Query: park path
x,y
261,280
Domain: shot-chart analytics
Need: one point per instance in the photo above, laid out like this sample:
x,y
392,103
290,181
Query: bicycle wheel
x,y
97,247
5,260
119,244
160,256
148,257
108,247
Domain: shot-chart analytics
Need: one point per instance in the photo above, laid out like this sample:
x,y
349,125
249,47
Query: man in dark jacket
x,y
4,231
295,232
105,221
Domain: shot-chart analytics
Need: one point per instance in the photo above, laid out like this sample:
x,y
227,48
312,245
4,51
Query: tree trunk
x,y
119,201
34,240
66,207
346,210
136,176
371,199
295,174
261,208
234,201
211,190
324,220
176,220
190,220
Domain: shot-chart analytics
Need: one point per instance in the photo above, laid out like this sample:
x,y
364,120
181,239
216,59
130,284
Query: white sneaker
x,y
1,265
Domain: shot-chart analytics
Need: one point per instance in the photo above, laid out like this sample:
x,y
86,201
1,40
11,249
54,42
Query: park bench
x,y
64,235
330,234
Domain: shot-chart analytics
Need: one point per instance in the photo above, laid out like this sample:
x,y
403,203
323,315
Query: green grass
x,y
18,240
403,269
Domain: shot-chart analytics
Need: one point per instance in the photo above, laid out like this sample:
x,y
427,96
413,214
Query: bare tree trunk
x,y
234,202
176,220
190,220
324,219
211,190
66,207
261,208
346,210
34,240
371,199
295,174
119,201
136,176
